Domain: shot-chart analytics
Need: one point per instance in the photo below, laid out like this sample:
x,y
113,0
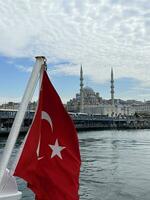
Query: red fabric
x,y
51,177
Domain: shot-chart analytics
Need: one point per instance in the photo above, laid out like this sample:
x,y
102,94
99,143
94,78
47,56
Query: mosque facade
x,y
89,101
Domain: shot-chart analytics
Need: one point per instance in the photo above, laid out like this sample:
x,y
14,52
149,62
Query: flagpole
x,y
40,60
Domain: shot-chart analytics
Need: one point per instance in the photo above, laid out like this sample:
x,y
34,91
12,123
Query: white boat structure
x,y
8,185
9,188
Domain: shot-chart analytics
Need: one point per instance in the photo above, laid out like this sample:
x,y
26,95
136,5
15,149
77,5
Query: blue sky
x,y
100,34
16,72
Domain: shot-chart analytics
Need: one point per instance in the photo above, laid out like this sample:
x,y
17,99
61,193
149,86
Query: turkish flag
x,y
50,159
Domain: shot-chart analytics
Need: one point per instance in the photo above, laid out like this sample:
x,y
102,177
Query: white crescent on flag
x,y
46,117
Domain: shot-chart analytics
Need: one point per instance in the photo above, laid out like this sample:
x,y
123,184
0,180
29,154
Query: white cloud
x,y
69,69
100,34
24,69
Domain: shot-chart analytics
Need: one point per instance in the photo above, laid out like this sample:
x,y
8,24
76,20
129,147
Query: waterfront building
x,y
10,105
32,105
106,109
91,102
142,108
90,98
15,105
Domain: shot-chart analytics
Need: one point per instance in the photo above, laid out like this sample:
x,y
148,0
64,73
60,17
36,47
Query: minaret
x,y
112,89
81,91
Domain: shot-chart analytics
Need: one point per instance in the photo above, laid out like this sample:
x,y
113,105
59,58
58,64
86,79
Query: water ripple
x,y
115,165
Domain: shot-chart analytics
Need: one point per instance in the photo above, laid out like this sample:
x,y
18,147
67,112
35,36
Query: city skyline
x,y
98,34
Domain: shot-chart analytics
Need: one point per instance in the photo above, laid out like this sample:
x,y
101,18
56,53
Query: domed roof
x,y
88,90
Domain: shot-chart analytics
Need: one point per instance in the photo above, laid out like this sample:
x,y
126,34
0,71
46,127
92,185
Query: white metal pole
x,y
20,115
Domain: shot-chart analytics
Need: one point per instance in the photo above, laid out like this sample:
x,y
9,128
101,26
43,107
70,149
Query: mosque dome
x,y
88,90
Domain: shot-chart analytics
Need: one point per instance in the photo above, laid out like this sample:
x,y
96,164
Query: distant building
x,y
10,105
106,109
32,105
90,98
15,106
142,108
91,102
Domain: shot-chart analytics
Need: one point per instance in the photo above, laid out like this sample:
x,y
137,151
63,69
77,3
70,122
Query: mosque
x,y
88,101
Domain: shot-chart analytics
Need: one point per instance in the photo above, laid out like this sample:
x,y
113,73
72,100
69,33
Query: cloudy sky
x,y
100,34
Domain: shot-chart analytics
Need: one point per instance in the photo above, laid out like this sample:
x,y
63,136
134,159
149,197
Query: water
x,y
115,165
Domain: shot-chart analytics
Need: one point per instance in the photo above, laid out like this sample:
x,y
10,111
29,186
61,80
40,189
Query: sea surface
x,y
115,165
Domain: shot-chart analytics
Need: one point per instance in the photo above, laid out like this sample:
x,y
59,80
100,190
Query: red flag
x,y
50,159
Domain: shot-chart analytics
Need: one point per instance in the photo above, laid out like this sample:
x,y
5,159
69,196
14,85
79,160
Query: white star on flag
x,y
56,149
